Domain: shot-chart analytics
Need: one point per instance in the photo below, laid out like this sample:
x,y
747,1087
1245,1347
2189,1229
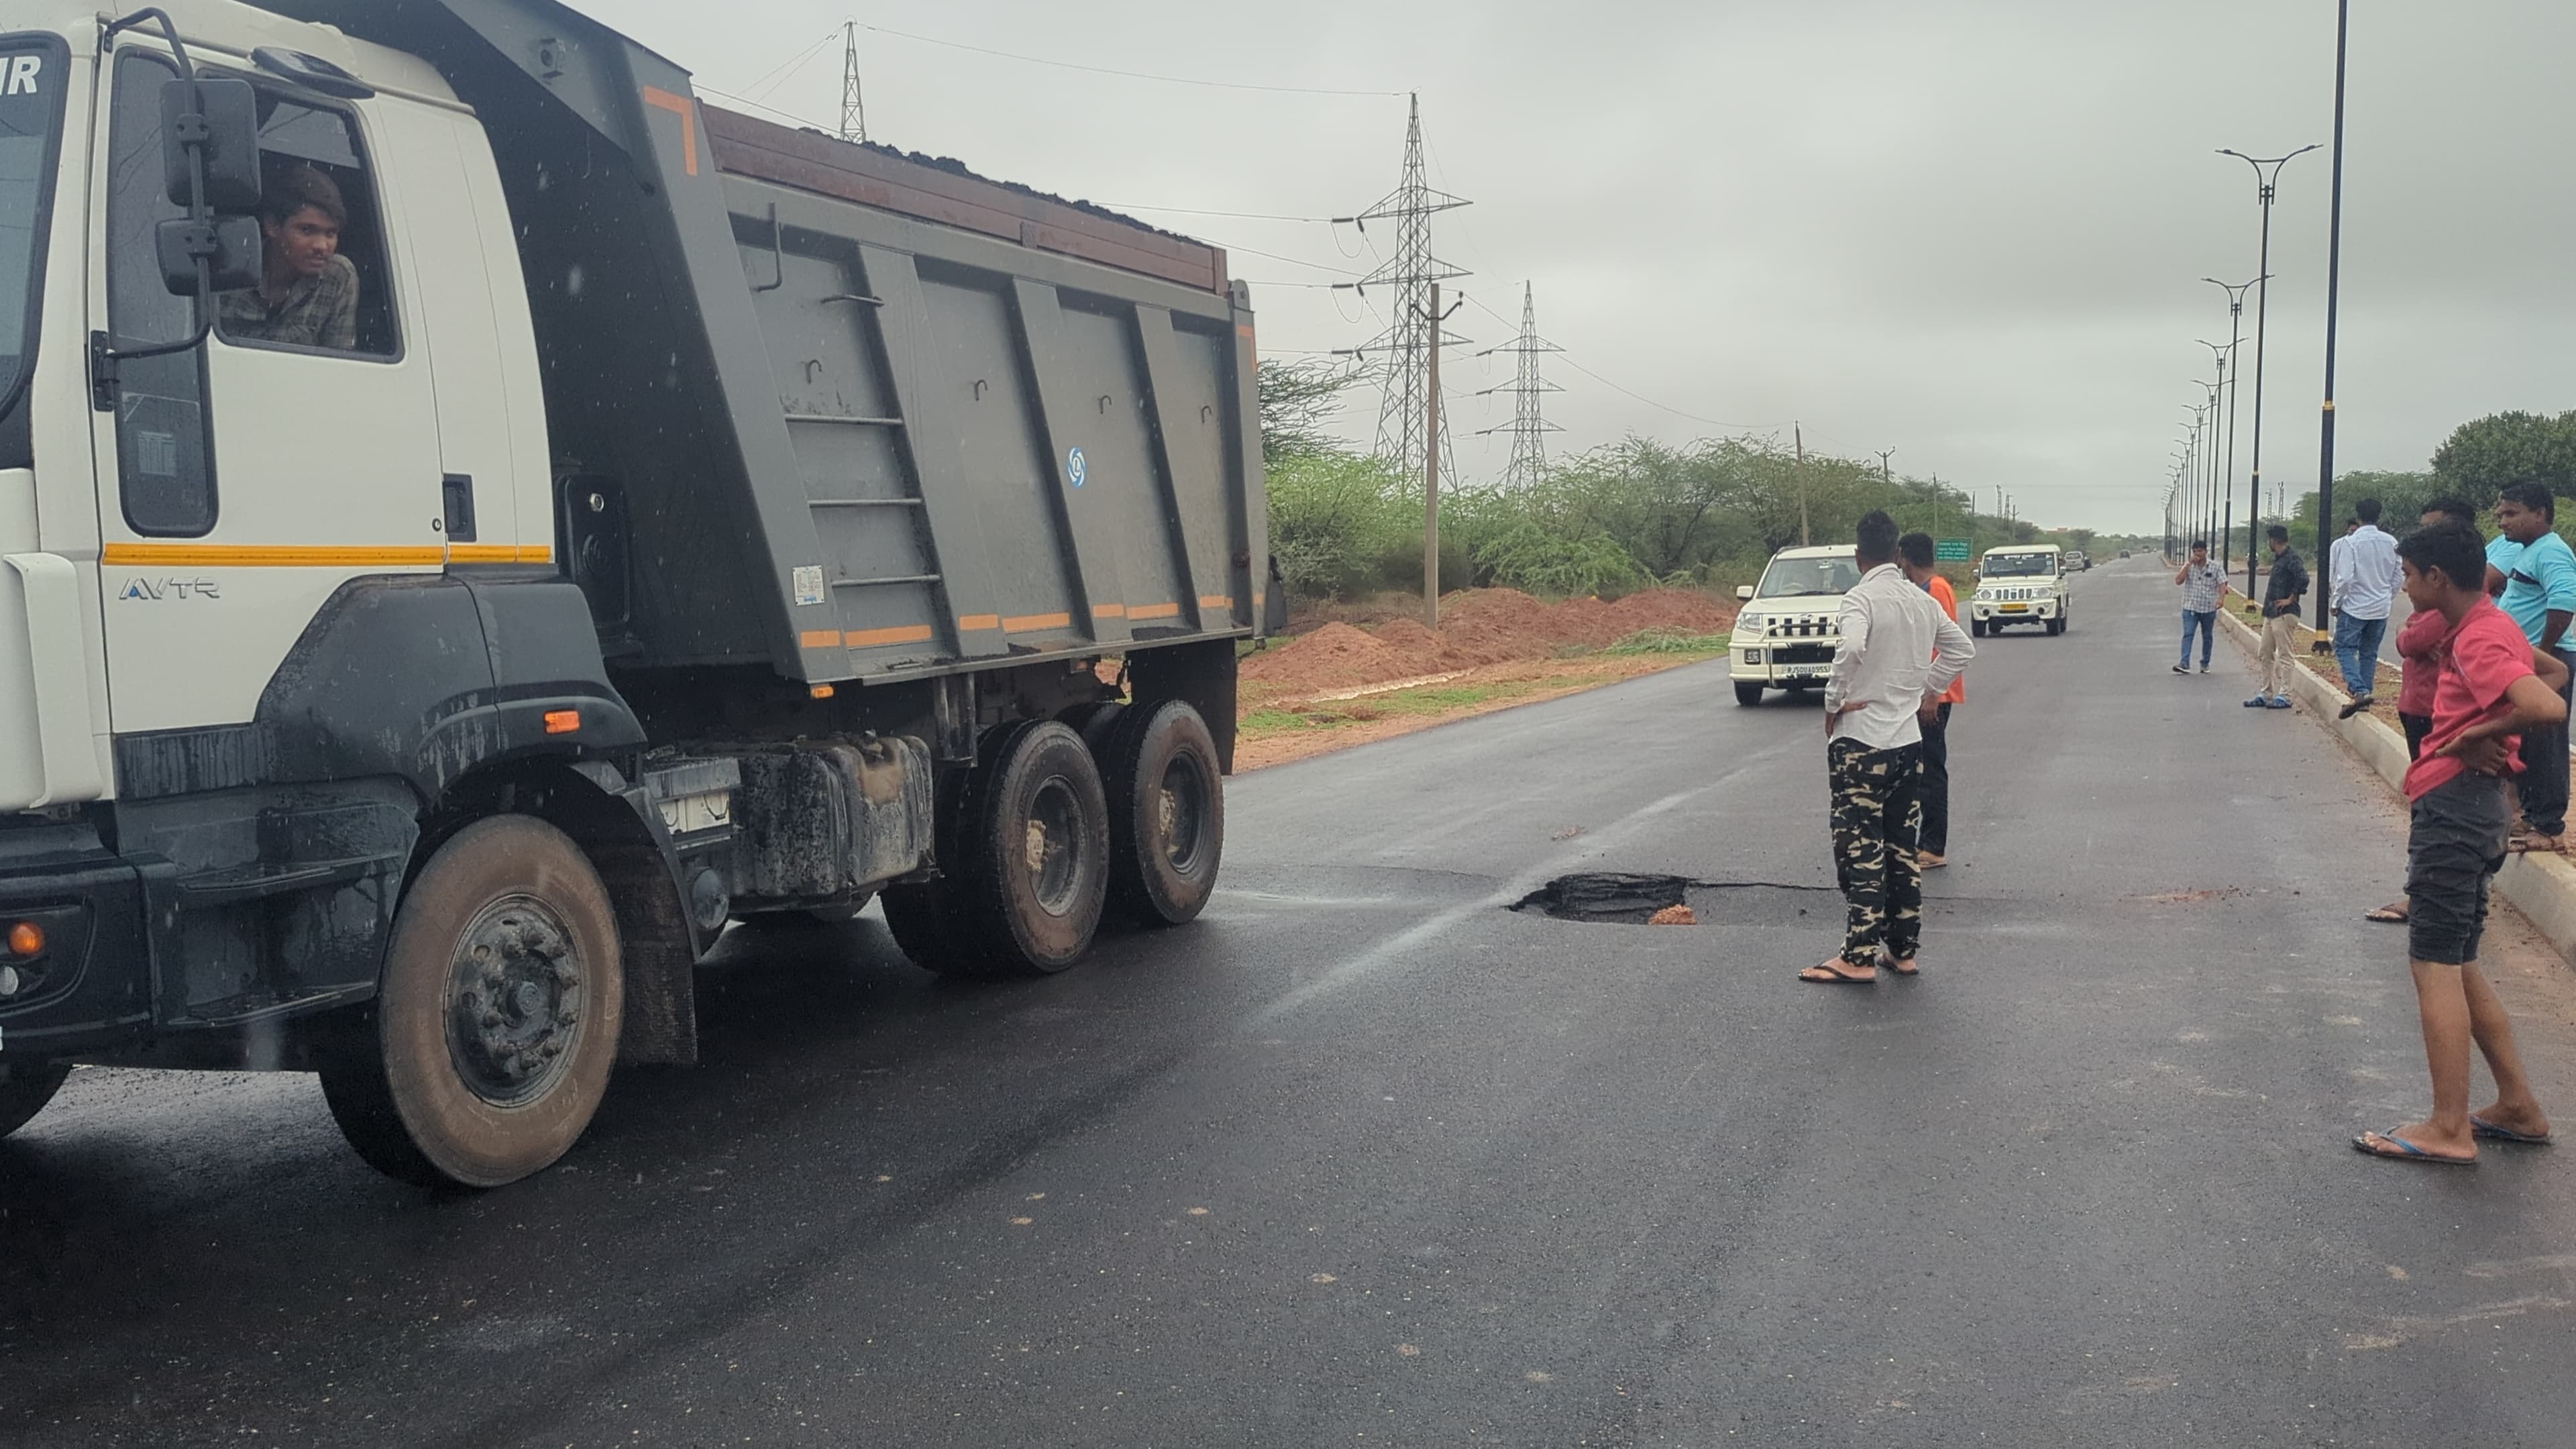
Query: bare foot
x,y
2426,1140
2523,1121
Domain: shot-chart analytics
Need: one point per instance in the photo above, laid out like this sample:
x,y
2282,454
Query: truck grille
x,y
1803,654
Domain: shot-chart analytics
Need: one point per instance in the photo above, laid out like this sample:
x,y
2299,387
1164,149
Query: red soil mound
x,y
1477,626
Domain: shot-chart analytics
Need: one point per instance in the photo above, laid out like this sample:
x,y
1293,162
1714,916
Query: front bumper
x,y
2016,611
1780,663
87,992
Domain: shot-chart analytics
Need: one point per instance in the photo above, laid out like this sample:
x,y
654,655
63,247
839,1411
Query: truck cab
x,y
2022,583
477,522
1785,634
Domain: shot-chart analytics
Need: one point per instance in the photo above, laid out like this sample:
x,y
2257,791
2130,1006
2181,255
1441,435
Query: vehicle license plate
x,y
2016,608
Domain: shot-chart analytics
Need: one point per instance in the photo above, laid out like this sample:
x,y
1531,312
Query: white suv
x,y
2020,583
1785,635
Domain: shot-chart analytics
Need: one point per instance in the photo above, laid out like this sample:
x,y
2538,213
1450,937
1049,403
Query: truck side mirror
x,y
231,246
1744,591
221,122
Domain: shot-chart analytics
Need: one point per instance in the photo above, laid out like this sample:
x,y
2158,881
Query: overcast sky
x,y
1968,230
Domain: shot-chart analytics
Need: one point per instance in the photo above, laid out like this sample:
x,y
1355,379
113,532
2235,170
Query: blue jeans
x,y
2207,624
2357,650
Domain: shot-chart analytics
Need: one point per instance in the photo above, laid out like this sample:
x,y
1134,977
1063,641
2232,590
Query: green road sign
x,y
1951,550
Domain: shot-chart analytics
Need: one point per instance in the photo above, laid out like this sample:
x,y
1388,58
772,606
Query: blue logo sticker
x,y
1075,468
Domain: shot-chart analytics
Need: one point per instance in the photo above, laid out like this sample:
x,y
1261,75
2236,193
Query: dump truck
x,y
477,521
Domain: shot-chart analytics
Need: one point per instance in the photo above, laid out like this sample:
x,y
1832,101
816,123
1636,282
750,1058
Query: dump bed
x,y
840,411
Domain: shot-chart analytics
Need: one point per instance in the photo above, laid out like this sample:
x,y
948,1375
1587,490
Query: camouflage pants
x,y
1878,820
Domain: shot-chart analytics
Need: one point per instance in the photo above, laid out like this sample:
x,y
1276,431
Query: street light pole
x,y
2334,282
2225,358
2262,312
2235,411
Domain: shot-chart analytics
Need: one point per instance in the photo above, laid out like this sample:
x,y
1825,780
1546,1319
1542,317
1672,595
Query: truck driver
x,y
308,293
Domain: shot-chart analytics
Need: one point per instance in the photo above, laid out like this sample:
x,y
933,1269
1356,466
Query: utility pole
x,y
854,110
1529,429
1405,348
1431,471
1798,432
2334,283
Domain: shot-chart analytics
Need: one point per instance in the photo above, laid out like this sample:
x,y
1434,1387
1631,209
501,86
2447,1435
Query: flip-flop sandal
x,y
2481,1127
1832,977
1887,961
2405,1151
2388,916
2536,845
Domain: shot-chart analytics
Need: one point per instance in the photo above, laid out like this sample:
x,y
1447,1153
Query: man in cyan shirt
x,y
2532,573
2487,693
1897,654
2362,574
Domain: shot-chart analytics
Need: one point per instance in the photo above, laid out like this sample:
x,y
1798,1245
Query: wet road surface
x,y
1366,1157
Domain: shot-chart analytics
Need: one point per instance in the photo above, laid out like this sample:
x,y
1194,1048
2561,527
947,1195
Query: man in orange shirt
x,y
1932,776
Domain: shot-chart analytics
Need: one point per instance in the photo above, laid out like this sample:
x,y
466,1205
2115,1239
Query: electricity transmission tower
x,y
1400,357
854,110
1528,428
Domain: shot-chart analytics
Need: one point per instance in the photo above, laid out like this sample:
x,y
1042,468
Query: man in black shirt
x,y
2289,584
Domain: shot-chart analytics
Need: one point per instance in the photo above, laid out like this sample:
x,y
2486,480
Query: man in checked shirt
x,y
1897,655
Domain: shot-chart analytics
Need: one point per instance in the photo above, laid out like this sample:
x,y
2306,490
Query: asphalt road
x,y
1366,1157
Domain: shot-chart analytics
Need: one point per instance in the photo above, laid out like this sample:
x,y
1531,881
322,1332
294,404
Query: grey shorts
x,y
2454,848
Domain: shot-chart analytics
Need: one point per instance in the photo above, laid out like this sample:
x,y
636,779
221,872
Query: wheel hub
x,y
515,1001
1182,812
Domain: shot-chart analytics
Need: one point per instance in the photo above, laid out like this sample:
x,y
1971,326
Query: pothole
x,y
1620,898
1609,897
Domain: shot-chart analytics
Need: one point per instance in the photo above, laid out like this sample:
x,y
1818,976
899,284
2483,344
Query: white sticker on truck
x,y
809,585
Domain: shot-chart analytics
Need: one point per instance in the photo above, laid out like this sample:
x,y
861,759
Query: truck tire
x,y
1977,628
2056,627
1033,870
1166,798
1748,694
1094,722
26,1093
496,1026
919,916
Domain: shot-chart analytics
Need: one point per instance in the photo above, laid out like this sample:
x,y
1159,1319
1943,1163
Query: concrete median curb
x,y
2542,887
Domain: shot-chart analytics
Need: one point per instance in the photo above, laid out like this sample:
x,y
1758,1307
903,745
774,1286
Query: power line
x,y
1178,80
1199,211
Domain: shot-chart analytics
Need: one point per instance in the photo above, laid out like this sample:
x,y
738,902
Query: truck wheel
x,y
1094,722
1166,801
496,1027
1748,694
1033,872
1977,628
2056,627
26,1093
919,915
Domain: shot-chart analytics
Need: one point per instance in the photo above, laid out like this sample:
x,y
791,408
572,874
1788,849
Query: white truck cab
x,y
2020,583
1785,635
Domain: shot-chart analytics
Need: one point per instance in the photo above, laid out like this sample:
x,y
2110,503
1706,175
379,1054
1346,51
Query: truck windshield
x,y
1808,578
2019,565
33,71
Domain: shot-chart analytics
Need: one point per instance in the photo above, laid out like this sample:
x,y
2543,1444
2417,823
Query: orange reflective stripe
x,y
872,638
1026,622
686,110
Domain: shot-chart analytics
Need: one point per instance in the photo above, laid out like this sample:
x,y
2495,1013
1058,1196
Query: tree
x,y
1298,402
2481,457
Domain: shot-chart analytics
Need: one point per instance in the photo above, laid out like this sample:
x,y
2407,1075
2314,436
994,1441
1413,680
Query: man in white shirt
x,y
1897,656
2364,574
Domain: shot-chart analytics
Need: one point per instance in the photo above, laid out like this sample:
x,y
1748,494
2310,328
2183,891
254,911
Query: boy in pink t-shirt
x,y
2487,692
